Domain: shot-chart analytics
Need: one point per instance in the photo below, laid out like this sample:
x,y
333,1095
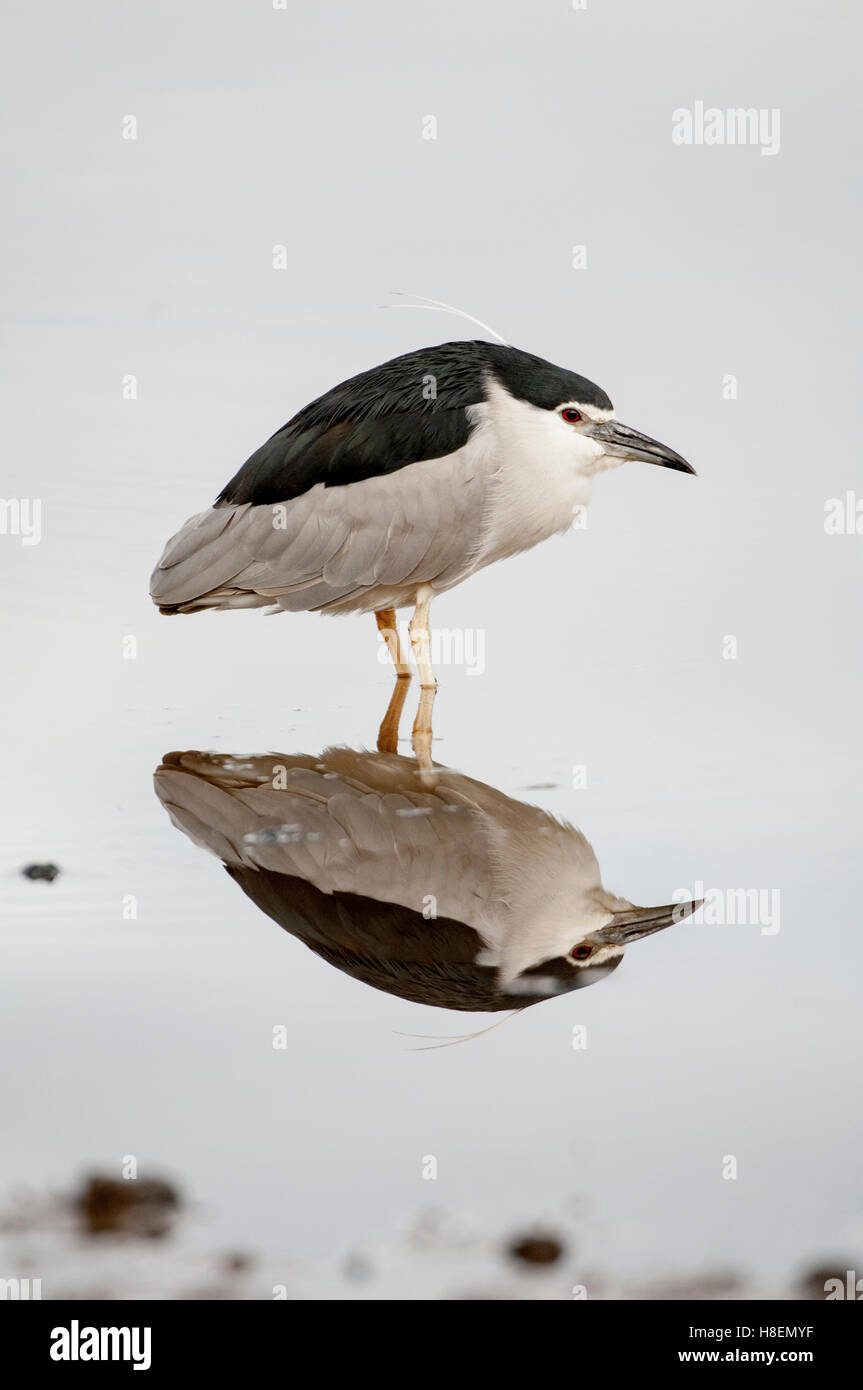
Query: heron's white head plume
x,y
436,304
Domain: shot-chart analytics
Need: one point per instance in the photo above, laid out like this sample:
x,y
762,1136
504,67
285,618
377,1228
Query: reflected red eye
x,y
571,416
581,952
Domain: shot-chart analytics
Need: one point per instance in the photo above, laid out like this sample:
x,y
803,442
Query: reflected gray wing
x,y
327,823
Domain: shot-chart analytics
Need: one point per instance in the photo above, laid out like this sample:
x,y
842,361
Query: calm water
x,y
607,694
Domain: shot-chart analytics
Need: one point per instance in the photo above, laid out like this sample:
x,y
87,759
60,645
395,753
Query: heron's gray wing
x,y
332,504
419,525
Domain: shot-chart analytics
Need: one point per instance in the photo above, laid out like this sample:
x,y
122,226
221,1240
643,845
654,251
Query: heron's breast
x,y
528,503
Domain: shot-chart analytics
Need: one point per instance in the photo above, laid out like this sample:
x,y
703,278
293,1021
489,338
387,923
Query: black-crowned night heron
x,y
457,896
400,483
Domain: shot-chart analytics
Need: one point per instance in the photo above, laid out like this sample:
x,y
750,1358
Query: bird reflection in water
x,y
424,883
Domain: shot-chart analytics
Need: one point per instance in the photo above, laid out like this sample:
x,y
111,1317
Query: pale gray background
x,y
259,127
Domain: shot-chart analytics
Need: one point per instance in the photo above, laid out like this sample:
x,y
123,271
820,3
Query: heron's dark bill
x,y
638,922
623,442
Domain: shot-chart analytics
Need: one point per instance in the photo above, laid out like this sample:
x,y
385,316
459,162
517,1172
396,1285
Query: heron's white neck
x,y
542,478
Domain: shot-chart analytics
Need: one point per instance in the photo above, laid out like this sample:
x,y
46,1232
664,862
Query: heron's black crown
x,y
406,410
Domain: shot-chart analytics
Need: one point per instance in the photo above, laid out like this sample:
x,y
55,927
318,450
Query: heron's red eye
x,y
581,952
571,416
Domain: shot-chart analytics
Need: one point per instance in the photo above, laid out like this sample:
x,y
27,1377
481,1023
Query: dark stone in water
x,y
536,1249
133,1207
45,872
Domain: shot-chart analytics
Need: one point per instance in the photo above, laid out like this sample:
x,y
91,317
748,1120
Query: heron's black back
x,y
404,411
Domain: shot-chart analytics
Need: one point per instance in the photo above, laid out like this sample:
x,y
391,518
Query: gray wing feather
x,y
421,524
198,533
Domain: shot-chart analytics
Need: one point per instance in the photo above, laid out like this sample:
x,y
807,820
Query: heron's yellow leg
x,y
388,733
421,739
420,630
389,630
